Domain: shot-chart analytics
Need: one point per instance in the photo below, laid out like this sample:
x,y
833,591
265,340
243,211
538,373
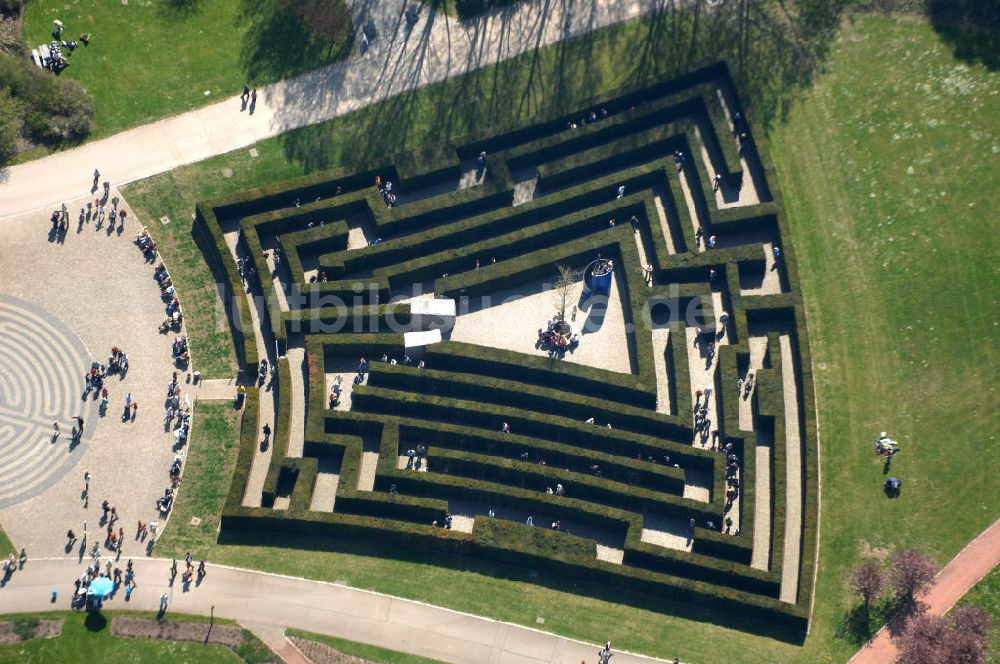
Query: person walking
x,y
253,101
55,430
164,599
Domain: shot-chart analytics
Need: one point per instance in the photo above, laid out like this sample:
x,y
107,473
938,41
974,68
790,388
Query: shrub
x,y
10,123
10,37
66,113
53,109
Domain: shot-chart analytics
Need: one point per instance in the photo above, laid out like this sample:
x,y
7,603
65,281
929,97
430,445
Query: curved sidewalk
x,y
964,571
400,59
266,599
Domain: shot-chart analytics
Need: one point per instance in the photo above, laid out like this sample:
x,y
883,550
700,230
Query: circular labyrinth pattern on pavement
x,y
42,366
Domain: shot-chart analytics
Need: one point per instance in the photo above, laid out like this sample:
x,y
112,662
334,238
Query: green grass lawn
x,y
152,58
86,640
212,351
211,459
897,270
365,651
889,174
6,546
986,595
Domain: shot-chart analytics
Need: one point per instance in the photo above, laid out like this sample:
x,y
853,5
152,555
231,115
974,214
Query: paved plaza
x,y
63,304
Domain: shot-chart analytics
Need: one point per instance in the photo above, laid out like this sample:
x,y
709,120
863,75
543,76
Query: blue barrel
x,y
597,284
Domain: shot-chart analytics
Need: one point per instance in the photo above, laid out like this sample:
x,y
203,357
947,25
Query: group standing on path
x,y
104,207
248,99
12,565
114,542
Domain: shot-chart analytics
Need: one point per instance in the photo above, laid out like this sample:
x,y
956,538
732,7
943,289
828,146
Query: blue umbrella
x,y
101,587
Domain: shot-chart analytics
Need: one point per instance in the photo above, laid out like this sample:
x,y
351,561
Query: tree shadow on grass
x,y
970,27
855,626
276,44
772,55
858,625
181,8
774,51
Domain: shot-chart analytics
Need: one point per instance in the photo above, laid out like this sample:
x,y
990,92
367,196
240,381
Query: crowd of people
x,y
744,386
416,457
105,207
147,245
95,381
11,565
555,341
385,188
590,118
177,414
702,423
189,570
245,267
81,594
169,294
887,448
55,60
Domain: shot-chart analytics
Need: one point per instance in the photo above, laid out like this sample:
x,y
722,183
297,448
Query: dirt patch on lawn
x,y
171,630
868,551
26,629
320,653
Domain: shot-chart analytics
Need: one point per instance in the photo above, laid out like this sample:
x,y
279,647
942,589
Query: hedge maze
x,y
689,398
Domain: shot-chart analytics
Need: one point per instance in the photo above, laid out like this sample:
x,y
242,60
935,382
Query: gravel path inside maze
x,y
63,304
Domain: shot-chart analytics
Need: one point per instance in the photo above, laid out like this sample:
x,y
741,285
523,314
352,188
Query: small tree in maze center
x,y
567,277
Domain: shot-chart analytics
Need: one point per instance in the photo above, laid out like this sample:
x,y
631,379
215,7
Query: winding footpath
x,y
964,571
266,603
399,60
